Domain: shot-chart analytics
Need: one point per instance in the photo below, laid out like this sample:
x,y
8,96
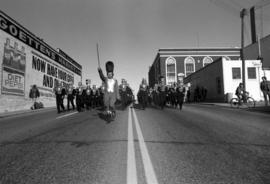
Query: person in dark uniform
x,y
71,93
172,96
142,94
60,95
88,98
95,96
162,92
123,94
180,94
155,95
150,97
80,93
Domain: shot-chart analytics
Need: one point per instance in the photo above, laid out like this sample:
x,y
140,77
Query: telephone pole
x,y
243,13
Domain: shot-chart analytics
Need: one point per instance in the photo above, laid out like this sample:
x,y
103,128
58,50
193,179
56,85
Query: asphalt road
x,y
200,144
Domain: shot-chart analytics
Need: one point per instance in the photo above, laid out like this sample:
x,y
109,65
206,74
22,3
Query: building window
x,y
189,65
207,60
170,70
251,73
236,73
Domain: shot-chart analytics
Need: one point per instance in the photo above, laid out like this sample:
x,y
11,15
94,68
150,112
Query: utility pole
x,y
243,13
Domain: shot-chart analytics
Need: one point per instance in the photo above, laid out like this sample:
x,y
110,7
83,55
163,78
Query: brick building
x,y
170,62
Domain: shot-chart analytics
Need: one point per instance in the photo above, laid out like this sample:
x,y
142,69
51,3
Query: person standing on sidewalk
x,y
34,94
265,87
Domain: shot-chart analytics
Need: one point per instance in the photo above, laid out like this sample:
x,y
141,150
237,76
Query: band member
x,y
111,92
88,98
180,94
162,92
60,95
70,96
123,93
155,95
80,93
95,96
142,94
101,95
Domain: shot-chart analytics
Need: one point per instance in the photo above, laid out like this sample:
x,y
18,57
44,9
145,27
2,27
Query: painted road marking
x,y
131,161
66,115
148,167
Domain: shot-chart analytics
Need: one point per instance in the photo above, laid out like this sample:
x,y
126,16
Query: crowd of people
x,y
161,95
89,97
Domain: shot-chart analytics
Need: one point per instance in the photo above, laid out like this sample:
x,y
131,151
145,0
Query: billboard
x,y
13,69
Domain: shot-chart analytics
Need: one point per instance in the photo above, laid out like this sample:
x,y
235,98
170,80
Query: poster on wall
x,y
13,72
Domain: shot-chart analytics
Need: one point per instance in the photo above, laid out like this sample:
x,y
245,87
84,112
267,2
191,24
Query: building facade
x,y
170,62
26,60
222,77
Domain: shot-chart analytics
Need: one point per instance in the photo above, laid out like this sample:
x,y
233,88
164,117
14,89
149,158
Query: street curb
x,y
26,111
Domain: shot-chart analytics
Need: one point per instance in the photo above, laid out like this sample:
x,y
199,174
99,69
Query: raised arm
x,y
101,74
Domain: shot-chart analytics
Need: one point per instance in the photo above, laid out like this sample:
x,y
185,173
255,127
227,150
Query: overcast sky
x,y
130,32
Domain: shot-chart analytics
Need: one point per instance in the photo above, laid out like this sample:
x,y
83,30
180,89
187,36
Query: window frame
x,y
170,58
189,60
249,72
239,73
204,60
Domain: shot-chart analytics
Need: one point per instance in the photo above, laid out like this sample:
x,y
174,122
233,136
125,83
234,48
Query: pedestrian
x,y
162,92
70,96
188,95
88,98
180,94
80,97
155,95
34,94
95,96
142,94
265,88
60,95
111,92
123,94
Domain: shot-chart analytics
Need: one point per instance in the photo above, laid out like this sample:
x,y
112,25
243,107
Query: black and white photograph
x,y
135,92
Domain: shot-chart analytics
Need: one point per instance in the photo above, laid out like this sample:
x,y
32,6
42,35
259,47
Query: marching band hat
x,y
109,66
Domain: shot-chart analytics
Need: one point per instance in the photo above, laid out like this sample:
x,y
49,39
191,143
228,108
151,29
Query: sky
x,y
130,32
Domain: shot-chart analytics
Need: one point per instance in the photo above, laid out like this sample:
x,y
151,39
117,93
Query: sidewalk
x,y
259,106
25,111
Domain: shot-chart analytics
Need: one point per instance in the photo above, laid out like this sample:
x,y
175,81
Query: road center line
x,y
66,115
131,162
148,167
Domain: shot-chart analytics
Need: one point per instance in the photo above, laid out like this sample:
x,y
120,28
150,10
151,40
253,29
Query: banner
x,y
13,73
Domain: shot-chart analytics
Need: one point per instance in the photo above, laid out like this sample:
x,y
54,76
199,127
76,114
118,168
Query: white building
x,y
222,77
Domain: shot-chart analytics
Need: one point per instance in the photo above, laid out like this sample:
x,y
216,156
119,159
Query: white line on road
x,y
66,115
131,162
148,167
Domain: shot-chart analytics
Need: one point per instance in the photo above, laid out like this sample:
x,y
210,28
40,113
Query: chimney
x,y
253,25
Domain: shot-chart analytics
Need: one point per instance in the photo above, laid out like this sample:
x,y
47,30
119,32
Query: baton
x,y
98,56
